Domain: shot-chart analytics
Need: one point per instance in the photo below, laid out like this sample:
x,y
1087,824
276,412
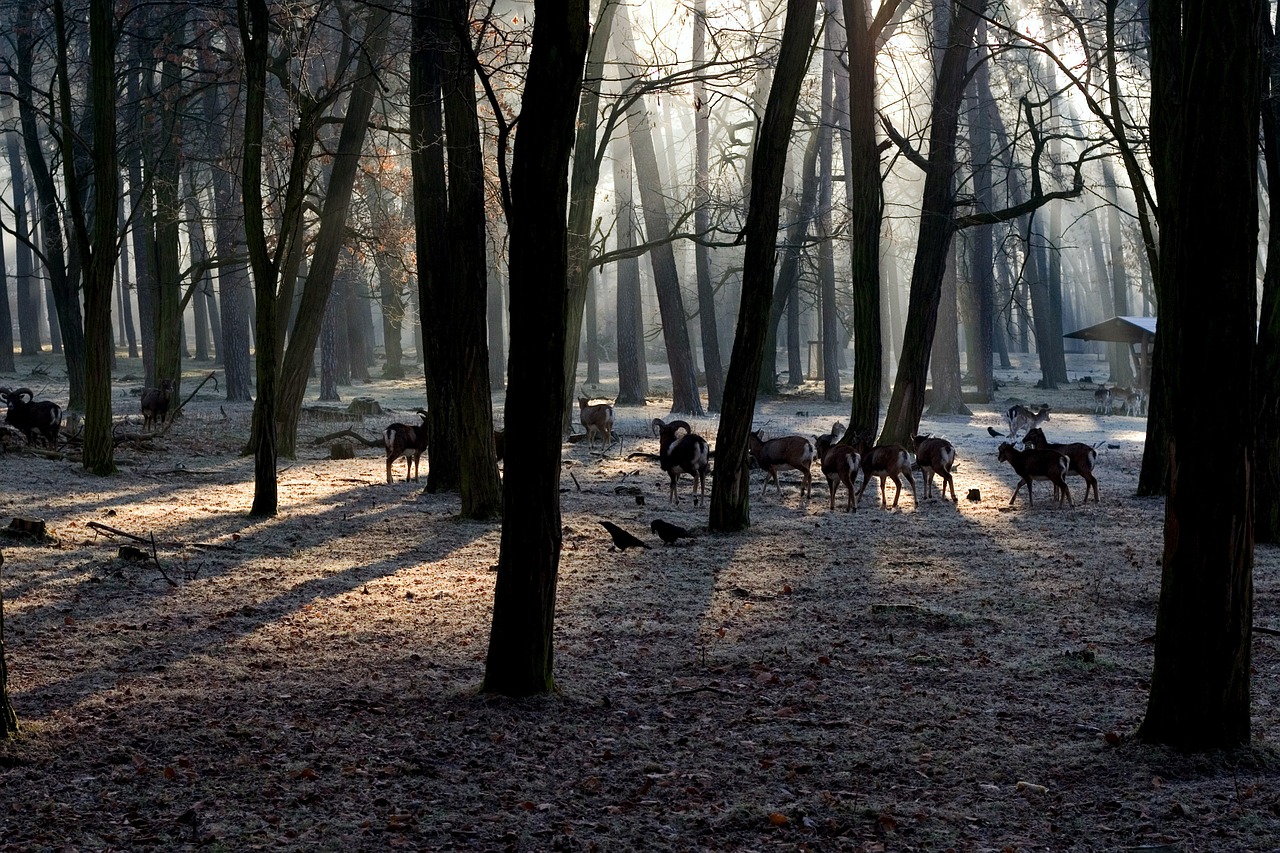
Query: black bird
x,y
669,532
994,433
622,540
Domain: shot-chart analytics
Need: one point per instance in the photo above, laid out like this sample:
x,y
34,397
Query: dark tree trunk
x,y
1266,371
126,299
329,347
254,34
390,299
795,367
66,328
6,319
355,311
584,176
1205,148
25,283
730,493
907,403
456,304
712,362
521,651
165,163
98,457
299,358
233,276
633,375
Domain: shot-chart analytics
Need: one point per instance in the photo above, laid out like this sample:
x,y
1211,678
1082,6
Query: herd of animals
x,y
43,418
681,451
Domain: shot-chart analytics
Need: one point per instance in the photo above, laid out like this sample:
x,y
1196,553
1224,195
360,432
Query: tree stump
x,y
363,406
341,450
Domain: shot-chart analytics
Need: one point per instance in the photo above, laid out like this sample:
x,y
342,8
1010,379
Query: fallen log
x,y
347,433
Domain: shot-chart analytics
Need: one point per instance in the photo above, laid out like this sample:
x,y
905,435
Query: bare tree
x,y
521,655
730,495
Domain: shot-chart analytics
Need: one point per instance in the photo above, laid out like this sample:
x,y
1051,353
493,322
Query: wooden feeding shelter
x,y
1138,332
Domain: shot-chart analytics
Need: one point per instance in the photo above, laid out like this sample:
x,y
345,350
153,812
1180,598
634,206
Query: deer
x,y
682,454
885,461
155,404
935,456
1022,417
407,441
788,451
1039,464
598,420
840,464
1081,458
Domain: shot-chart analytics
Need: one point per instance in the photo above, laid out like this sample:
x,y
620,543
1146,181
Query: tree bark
x,y
584,177
1205,148
521,651
981,283
462,434
24,283
1266,371
712,362
946,397
1121,362
832,342
299,358
657,224
936,229
730,493
6,319
633,374
98,457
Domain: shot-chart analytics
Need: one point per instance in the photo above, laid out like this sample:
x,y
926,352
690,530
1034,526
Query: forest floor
x,y
937,677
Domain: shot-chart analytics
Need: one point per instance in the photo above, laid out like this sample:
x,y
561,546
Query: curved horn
x,y
18,392
675,425
422,413
657,426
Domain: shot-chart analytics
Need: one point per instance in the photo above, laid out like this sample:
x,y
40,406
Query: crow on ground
x,y
622,540
669,532
991,431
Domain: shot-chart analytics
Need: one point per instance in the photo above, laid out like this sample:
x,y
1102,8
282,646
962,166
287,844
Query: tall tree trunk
x,y
1205,152
787,285
64,280
862,192
907,403
657,226
583,178
299,357
947,398
633,375
329,346
1266,370
730,493
25,282
981,284
254,36
521,651
456,305
712,363
98,457
830,317
1121,362
233,276
6,319
496,310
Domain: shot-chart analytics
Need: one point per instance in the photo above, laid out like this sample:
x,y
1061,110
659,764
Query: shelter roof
x,y
1125,330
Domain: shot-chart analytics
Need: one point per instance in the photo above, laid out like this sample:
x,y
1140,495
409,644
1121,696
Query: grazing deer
x,y
1021,417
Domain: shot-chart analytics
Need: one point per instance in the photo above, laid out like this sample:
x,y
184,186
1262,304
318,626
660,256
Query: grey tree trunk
x,y
25,283
633,374
831,337
944,363
653,205
712,362
730,494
